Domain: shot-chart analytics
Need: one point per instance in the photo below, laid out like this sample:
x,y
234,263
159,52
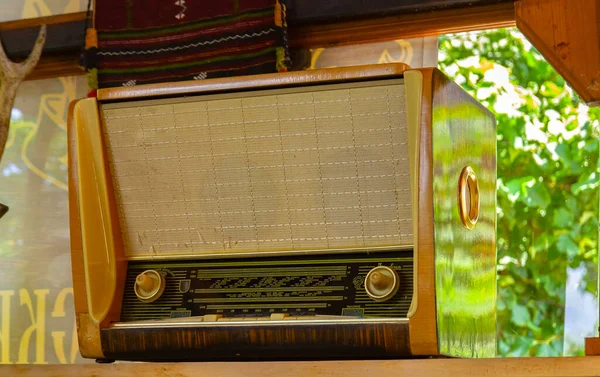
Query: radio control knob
x,y
149,286
382,283
145,282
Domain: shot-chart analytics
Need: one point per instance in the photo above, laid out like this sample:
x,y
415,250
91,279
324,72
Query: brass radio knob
x,y
382,283
149,285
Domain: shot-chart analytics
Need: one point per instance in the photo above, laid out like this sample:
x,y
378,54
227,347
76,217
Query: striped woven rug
x,y
148,41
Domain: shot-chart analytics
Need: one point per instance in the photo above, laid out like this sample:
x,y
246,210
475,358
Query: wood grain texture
x,y
463,135
64,43
62,36
314,11
288,341
366,340
38,21
87,330
423,329
57,65
407,25
511,367
592,346
105,264
79,294
567,33
88,333
258,342
264,81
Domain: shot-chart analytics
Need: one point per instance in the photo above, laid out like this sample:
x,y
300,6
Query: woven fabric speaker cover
x,y
277,170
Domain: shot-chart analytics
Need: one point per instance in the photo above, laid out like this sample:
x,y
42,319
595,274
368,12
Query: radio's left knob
x,y
149,285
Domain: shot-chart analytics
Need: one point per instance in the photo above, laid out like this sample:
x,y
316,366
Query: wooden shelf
x,y
514,367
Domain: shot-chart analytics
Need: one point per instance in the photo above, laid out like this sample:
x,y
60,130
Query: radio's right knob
x,y
382,283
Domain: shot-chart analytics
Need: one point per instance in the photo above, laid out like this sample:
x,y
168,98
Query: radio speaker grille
x,y
282,170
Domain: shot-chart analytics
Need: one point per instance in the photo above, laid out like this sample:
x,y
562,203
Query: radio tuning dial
x,y
382,283
149,286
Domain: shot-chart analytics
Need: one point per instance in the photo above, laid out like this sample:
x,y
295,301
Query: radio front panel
x,y
302,288
284,170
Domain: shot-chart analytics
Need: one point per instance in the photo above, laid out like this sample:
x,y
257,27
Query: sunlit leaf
x,y
520,315
566,246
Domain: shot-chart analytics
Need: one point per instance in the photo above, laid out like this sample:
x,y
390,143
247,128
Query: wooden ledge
x,y
513,367
592,346
406,25
262,81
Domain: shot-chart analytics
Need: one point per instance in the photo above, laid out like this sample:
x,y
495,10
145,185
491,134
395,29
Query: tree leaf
x,y
562,218
545,349
537,196
517,187
567,247
520,315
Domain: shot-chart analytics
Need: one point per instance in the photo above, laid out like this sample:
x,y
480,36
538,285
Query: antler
x,y
11,75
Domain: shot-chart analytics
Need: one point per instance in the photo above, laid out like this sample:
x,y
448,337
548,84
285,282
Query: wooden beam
x,y
64,41
46,20
335,26
302,12
567,33
513,367
592,346
403,26
57,65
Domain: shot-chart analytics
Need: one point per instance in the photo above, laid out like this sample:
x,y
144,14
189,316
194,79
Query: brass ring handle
x,y
468,197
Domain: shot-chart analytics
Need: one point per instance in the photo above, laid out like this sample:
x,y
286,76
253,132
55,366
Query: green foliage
x,y
547,183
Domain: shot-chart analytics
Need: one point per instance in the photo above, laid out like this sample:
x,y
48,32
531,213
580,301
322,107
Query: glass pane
x,y
15,10
35,262
547,192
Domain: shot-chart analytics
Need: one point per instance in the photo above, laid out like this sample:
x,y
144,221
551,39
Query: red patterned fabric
x,y
147,41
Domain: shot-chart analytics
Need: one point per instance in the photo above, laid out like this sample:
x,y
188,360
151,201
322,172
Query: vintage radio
x,y
338,213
